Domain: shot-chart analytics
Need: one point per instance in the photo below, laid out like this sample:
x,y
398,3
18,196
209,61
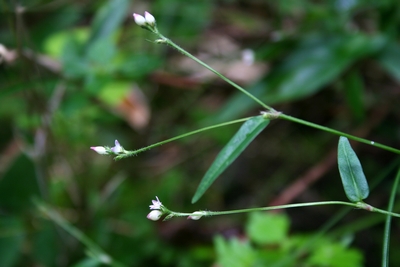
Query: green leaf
x,y
18,186
249,130
267,228
234,253
354,182
108,19
11,240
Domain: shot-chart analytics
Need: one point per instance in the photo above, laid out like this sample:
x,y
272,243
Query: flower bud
x,y
149,18
196,215
99,149
154,215
139,19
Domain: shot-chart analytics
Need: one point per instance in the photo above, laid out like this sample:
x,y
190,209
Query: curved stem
x,y
386,233
332,131
128,153
241,89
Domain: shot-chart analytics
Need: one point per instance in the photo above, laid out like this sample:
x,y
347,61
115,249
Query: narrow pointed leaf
x,y
354,182
249,130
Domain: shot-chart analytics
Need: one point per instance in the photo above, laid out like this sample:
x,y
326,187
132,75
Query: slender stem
x,y
167,41
386,233
128,153
241,89
330,130
214,213
358,205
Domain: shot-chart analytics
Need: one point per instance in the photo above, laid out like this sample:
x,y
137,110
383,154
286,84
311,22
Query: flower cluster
x,y
156,210
148,21
104,150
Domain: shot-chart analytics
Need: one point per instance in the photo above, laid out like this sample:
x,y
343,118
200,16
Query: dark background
x,y
76,74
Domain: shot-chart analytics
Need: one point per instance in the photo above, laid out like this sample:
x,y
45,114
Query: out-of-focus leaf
x,y
185,19
336,255
246,134
18,186
11,238
101,53
353,90
390,59
317,61
107,20
267,228
128,101
234,253
136,66
41,239
56,43
88,262
354,182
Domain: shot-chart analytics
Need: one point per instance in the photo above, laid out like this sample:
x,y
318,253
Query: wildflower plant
x,y
354,181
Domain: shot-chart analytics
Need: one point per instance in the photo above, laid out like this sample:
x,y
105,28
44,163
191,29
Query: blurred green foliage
x,y
77,74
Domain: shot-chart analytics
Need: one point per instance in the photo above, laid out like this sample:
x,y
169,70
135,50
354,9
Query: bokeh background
x,y
75,74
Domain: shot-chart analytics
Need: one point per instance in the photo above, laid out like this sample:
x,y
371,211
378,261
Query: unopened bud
x,y
154,215
99,149
149,18
139,19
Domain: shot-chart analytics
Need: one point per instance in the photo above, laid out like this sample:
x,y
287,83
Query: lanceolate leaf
x,y
354,182
249,130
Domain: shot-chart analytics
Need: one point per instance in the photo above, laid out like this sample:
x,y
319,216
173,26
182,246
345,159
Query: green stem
x,y
128,153
386,233
241,89
330,130
358,205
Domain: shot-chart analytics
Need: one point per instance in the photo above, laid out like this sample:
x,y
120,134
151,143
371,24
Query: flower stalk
x,y
162,210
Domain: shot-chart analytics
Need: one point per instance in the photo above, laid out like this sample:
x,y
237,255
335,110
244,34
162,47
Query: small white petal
x,y
149,18
154,215
117,148
156,204
99,149
139,19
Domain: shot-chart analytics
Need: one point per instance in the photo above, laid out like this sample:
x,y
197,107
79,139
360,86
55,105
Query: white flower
x,y
99,149
196,215
139,19
117,148
154,215
156,204
149,18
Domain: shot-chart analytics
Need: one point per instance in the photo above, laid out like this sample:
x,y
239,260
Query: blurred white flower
x,y
99,149
117,148
139,19
156,204
154,215
149,18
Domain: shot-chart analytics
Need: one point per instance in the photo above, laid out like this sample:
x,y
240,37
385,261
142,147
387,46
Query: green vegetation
x,y
75,75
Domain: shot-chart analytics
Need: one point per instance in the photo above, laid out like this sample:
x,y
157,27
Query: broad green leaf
x,y
11,240
354,182
267,228
234,253
336,255
249,130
